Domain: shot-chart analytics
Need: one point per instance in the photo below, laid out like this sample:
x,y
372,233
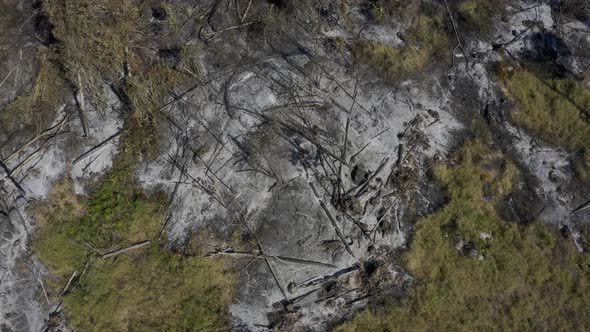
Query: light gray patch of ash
x,y
101,145
524,20
262,150
551,167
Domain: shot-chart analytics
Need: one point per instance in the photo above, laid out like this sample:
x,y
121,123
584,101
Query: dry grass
x,y
93,36
478,15
35,110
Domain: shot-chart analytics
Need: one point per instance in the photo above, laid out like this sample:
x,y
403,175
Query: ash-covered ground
x,y
318,161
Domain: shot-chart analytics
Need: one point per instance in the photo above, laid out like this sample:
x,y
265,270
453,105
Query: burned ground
x,y
315,159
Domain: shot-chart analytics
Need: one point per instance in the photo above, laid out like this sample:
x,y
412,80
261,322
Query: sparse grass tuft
x,y
425,40
36,109
556,110
519,278
147,93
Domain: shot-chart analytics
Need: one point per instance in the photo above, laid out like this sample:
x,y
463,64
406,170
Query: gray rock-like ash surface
x,y
320,161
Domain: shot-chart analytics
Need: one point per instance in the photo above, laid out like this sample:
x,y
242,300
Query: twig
x,y
79,97
246,12
457,35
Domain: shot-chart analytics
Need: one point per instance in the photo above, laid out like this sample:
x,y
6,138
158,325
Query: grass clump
x,y
117,213
384,10
426,39
556,110
61,254
478,272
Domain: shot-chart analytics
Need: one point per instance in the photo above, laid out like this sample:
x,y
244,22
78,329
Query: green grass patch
x,y
555,110
152,290
521,277
425,40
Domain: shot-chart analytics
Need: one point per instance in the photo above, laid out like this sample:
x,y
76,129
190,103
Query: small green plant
x,y
478,272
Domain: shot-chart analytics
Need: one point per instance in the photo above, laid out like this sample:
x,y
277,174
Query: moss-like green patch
x,y
478,272
556,110
425,40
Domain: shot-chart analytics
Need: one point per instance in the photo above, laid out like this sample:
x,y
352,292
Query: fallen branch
x,y
65,290
457,35
231,252
582,207
98,146
120,251
79,98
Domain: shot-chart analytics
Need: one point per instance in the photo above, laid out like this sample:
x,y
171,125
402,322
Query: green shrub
x,y
521,278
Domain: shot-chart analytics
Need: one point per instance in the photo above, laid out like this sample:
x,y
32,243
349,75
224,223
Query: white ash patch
x,y
102,124
551,167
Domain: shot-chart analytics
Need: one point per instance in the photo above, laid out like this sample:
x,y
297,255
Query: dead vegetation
x,y
95,40
37,109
